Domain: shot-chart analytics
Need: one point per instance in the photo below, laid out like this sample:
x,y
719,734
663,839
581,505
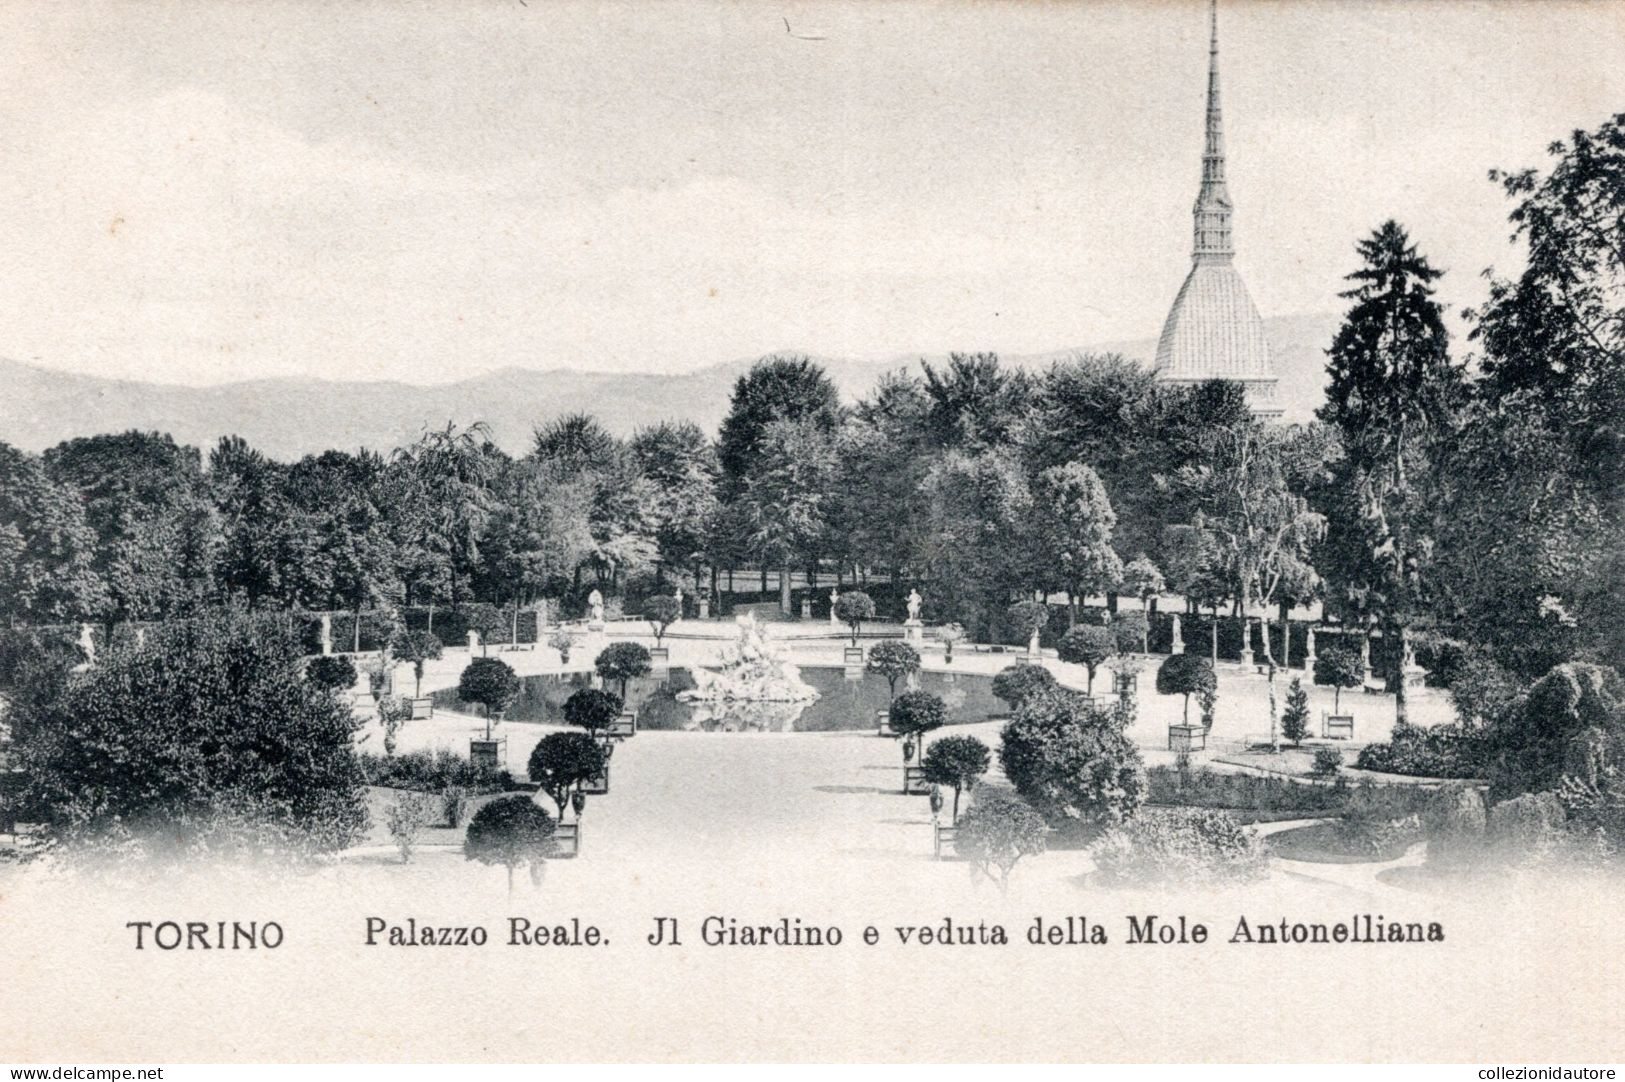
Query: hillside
x,y
289,418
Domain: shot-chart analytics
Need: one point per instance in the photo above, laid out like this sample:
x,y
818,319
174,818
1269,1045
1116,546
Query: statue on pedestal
x,y
595,607
87,643
677,595
914,606
834,596
1309,658
1178,646
327,634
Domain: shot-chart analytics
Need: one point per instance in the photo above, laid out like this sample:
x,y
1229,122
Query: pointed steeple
x,y
1212,211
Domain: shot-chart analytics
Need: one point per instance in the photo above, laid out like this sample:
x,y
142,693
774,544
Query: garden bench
x,y
1187,738
1338,727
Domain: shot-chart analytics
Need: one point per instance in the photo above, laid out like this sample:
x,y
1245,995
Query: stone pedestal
x,y
806,609
705,608
473,640
1034,654
913,632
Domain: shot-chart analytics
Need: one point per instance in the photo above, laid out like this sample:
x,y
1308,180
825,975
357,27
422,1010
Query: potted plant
x,y
852,609
561,641
417,648
661,612
493,684
950,634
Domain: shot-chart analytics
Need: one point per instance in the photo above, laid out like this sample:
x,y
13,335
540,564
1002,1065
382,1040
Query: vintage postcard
x,y
932,531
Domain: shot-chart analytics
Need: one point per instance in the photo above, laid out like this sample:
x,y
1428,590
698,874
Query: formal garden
x,y
1074,626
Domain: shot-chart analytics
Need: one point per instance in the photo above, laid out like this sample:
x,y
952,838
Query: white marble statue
x,y
87,643
834,596
595,606
753,670
914,604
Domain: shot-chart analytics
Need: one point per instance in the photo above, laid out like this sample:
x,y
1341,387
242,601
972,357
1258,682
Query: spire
x,y
1212,210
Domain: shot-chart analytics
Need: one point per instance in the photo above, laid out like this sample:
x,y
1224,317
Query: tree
x,y
416,648
486,620
1295,718
1029,618
1339,667
1074,533
1144,580
1570,724
1072,761
1393,394
1088,645
492,683
948,634
561,641
407,815
956,761
996,834
1131,631
915,713
681,466
1187,675
973,402
510,831
592,709
1015,683
852,609
975,508
562,762
451,471
662,612
332,672
621,662
894,661
206,740
47,549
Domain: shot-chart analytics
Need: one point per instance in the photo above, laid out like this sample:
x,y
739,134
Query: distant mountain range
x,y
287,418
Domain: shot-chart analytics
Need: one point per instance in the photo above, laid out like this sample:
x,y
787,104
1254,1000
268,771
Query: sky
x,y
203,192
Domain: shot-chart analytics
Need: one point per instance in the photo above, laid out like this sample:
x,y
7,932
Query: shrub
x,y
331,673
662,612
852,609
1187,675
1180,846
957,762
206,740
1376,833
1017,682
621,662
1328,761
489,681
407,816
1295,718
1482,691
1532,826
1131,630
1339,667
510,831
996,833
454,803
431,772
416,648
1454,820
1444,751
488,621
562,762
1572,722
1087,645
893,660
592,709
1071,761
392,712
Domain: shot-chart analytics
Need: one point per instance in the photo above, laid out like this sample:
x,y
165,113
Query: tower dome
x,y
1214,330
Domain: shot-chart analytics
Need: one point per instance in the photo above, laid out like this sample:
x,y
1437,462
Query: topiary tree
x,y
592,710
915,713
948,634
662,612
996,834
331,672
486,619
492,683
956,761
1087,645
561,762
852,609
621,661
416,648
511,831
1029,618
1187,675
1072,761
893,660
1015,683
1339,667
209,737
1132,630
1295,718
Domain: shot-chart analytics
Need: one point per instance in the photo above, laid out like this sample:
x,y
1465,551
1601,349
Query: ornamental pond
x,y
844,703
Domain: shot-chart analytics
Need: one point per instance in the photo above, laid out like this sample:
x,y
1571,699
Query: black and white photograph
x,y
930,531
